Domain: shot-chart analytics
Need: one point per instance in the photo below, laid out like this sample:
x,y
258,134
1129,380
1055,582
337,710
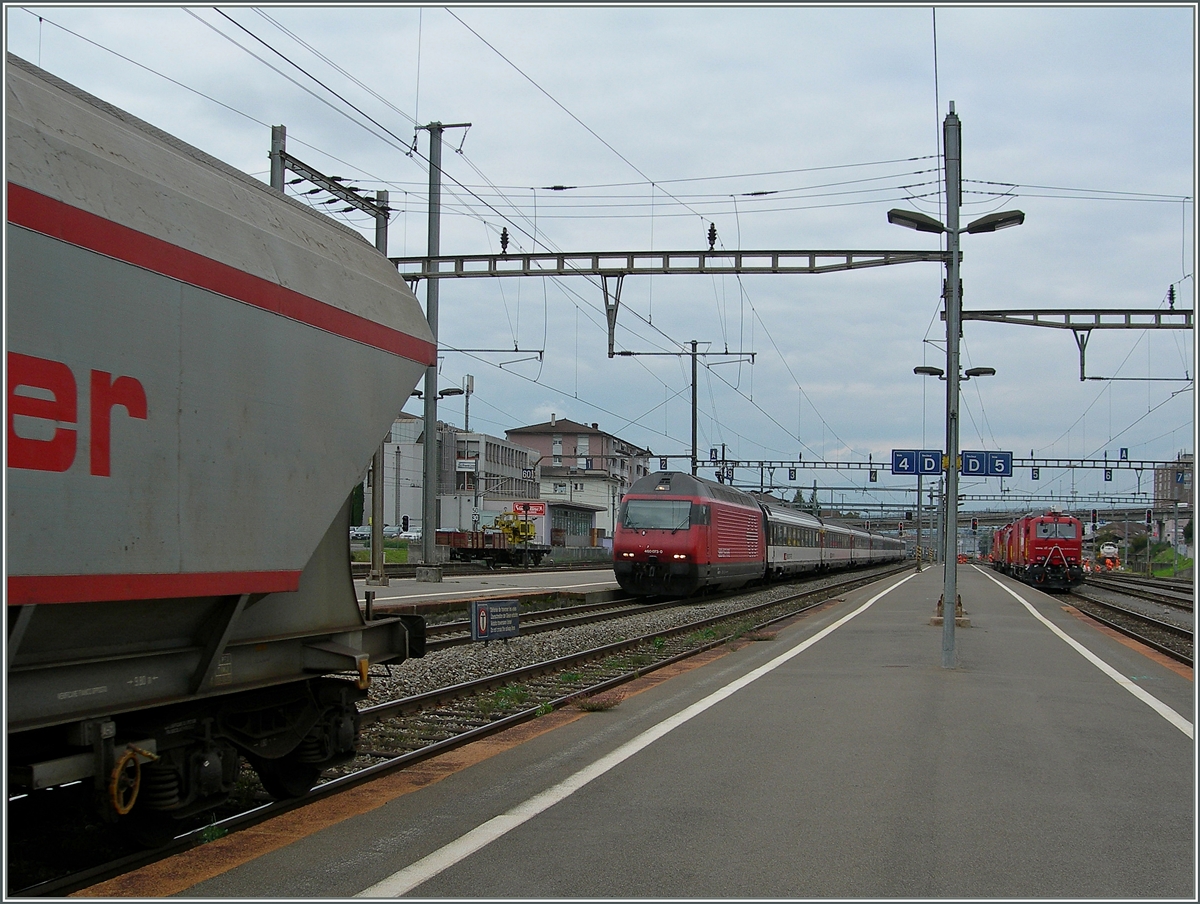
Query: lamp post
x,y
950,525
952,145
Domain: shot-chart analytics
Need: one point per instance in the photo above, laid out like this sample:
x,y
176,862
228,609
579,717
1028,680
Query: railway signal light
x,y
974,525
1149,517
404,524
1095,519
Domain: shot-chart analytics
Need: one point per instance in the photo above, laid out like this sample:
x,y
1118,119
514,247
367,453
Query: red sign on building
x,y
533,509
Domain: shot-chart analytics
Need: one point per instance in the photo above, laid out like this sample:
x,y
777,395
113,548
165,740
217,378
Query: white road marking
x,y
1149,699
510,589
413,875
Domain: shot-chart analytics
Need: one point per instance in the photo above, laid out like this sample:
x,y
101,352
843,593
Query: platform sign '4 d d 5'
x,y
986,464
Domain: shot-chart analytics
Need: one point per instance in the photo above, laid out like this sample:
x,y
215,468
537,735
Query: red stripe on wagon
x,y
53,218
91,588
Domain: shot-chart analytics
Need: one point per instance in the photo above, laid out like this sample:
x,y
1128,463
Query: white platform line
x,y
1149,699
413,875
421,594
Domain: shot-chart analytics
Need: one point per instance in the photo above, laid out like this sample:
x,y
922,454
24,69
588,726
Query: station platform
x,y
837,760
408,595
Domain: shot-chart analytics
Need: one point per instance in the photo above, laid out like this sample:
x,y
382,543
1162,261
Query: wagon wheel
x,y
286,778
125,782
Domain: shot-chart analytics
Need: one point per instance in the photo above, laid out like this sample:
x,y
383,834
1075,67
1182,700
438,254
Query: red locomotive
x,y
1043,550
678,534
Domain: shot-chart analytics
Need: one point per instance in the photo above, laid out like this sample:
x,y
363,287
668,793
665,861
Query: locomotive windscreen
x,y
1063,530
656,514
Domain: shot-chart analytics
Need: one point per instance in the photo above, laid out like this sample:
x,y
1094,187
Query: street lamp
x,y
442,393
929,371
967,374
952,143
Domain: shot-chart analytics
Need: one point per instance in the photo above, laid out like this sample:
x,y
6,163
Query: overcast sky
x,y
789,128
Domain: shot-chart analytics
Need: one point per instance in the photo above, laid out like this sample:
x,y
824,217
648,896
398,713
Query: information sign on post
x,y
916,461
904,461
495,619
986,464
999,464
974,464
532,509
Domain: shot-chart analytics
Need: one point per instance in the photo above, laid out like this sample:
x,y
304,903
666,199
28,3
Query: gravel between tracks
x,y
454,665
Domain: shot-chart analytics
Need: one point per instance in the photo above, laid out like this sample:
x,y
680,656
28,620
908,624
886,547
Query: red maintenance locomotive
x,y
677,535
1043,550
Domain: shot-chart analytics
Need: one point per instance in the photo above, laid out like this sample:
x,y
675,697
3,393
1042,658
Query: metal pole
x,y
952,147
919,551
1175,539
278,145
429,483
1125,544
378,574
694,408
468,388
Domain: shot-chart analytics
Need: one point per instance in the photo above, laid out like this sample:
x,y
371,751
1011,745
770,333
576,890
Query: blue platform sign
x,y
495,619
974,464
986,464
999,464
916,461
904,461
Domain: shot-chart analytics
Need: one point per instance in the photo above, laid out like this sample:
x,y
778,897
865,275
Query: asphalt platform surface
x,y
837,760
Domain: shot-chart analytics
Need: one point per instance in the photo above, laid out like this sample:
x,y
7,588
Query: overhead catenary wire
x,y
547,216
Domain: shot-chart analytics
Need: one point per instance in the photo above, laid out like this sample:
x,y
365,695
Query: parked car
x,y
361,533
413,536
391,531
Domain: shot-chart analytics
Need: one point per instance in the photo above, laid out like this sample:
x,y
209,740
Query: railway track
x,y
535,621
1179,594
1168,637
399,732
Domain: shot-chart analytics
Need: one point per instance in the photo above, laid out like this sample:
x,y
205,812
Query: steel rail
x,y
1166,627
1167,596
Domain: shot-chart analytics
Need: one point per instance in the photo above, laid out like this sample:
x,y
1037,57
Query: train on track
x,y
679,535
199,370
1045,550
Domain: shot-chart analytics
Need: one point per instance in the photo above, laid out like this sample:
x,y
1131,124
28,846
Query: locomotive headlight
x,y
627,555
680,555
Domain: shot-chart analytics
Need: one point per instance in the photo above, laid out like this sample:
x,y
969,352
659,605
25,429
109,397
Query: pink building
x,y
583,469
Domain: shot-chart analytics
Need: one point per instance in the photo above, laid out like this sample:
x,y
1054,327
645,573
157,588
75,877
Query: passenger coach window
x,y
656,514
